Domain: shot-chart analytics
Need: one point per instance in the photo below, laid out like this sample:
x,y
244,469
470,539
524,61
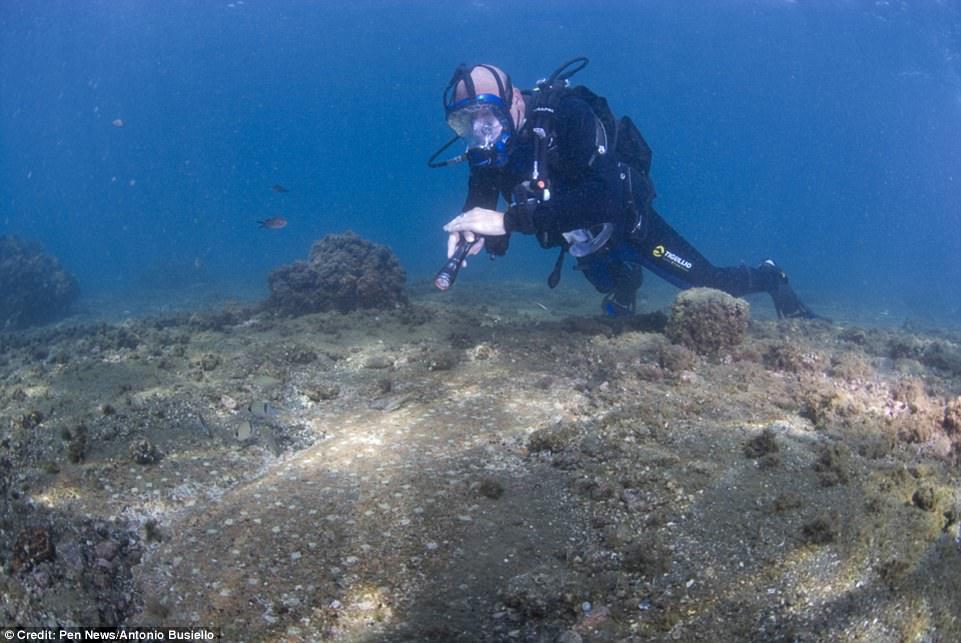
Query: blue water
x,y
824,134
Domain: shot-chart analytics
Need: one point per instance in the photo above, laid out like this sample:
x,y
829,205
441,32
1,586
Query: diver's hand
x,y
470,224
478,221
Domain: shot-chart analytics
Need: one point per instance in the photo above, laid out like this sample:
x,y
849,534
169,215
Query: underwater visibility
x,y
393,321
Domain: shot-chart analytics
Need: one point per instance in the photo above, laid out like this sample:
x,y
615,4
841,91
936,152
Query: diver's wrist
x,y
520,218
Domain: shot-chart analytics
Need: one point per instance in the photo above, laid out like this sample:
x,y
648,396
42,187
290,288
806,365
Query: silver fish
x,y
244,431
262,409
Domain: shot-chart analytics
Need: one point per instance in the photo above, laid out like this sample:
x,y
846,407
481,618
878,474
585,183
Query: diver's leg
x,y
667,254
616,272
670,256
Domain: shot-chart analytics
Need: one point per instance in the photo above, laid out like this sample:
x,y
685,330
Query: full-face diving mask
x,y
483,121
485,124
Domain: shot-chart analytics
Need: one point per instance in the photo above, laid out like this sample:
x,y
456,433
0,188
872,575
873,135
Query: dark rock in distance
x,y
441,360
34,288
490,488
763,444
552,439
77,444
647,557
707,320
541,592
820,531
33,546
925,498
142,451
322,391
833,463
952,417
343,273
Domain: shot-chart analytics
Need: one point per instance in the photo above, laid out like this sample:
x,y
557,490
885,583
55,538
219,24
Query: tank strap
x,y
625,172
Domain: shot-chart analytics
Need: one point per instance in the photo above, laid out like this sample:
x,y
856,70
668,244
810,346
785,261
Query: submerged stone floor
x,y
463,471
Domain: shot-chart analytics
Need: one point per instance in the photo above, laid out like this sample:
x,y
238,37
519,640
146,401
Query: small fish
x,y
273,223
118,122
244,431
262,409
205,426
279,188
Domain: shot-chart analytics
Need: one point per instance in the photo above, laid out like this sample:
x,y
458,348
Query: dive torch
x,y
446,275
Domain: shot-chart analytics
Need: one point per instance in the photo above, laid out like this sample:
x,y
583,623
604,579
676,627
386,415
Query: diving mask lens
x,y
482,122
486,129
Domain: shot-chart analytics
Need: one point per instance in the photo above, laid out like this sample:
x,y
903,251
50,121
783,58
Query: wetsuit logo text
x,y
663,253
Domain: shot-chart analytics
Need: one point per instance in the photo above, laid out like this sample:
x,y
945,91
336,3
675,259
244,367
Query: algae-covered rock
x,y
707,320
763,444
34,288
34,545
543,592
952,417
343,272
553,438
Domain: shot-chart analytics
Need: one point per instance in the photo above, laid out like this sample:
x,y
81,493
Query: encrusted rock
x,y
833,464
707,320
210,361
322,391
952,417
378,362
491,488
647,557
34,288
542,592
819,531
33,546
77,444
29,420
553,438
441,360
675,358
343,272
761,445
144,452
925,498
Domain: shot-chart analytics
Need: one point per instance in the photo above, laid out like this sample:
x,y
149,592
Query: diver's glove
x,y
786,301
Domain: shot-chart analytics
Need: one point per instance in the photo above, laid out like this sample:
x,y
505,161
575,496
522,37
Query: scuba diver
x,y
579,181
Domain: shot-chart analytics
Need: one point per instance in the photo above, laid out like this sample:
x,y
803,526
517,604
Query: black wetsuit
x,y
587,193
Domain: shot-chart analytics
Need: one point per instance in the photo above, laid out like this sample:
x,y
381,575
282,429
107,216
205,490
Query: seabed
x,y
495,463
